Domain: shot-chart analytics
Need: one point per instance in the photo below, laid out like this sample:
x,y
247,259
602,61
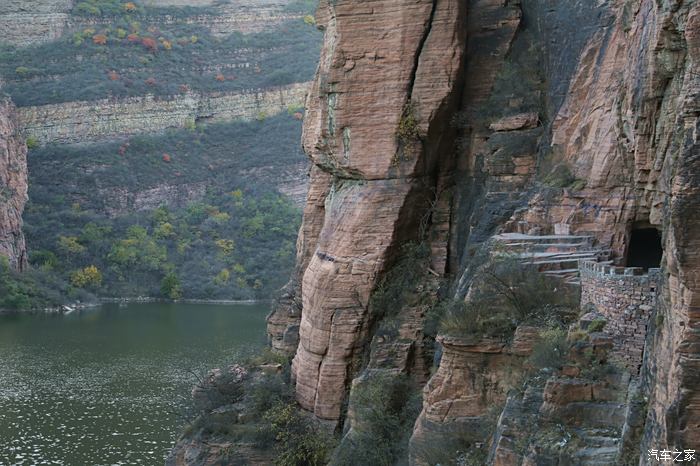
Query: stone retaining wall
x,y
626,296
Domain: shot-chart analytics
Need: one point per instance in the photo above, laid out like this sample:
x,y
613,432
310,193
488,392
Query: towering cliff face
x,y
566,116
376,117
13,186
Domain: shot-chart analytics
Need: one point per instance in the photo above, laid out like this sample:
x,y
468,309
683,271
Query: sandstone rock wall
x,y
398,65
103,119
616,94
629,128
13,186
470,384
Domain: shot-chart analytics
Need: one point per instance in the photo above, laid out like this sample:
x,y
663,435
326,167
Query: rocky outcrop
x,y
24,23
469,386
379,109
283,322
13,186
218,400
104,119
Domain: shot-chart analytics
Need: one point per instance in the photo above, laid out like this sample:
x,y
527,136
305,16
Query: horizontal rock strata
x,y
104,119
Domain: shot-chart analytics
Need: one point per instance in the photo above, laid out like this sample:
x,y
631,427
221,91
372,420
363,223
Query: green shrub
x,y
504,294
407,130
22,71
400,282
170,286
70,245
298,439
385,407
32,289
598,370
597,325
531,296
89,276
32,142
551,349
476,320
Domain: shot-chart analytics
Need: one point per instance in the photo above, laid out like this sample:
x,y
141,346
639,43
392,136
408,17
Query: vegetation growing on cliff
x,y
504,294
384,407
136,52
232,236
251,406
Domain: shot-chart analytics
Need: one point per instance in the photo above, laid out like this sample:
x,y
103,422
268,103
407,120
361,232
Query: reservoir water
x,y
111,385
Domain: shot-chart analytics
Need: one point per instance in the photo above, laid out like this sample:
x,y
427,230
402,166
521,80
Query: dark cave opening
x,y
645,248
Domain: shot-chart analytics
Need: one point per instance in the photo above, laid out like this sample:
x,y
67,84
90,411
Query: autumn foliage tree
x,y
99,39
89,276
150,44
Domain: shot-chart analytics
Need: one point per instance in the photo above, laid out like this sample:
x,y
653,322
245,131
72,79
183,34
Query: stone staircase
x,y
598,446
555,255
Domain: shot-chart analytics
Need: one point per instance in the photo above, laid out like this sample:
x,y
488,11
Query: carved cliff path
x,y
554,255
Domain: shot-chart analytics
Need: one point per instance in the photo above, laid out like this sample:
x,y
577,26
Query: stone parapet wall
x,y
626,297
73,122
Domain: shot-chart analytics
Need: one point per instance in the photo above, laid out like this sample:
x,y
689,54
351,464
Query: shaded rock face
x,y
611,104
13,187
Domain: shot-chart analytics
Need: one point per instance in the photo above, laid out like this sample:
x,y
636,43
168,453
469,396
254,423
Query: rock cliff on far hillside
x,y
13,186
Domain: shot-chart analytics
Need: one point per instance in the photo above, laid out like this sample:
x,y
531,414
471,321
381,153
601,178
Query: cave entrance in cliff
x,y
645,248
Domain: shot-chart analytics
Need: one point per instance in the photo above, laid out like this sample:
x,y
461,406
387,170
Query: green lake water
x,y
111,385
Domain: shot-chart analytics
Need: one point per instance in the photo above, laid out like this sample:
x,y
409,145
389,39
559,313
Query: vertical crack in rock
x,y
420,49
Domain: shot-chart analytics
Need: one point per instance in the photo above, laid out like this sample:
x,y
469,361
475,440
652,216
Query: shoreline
x,y
147,299
65,309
